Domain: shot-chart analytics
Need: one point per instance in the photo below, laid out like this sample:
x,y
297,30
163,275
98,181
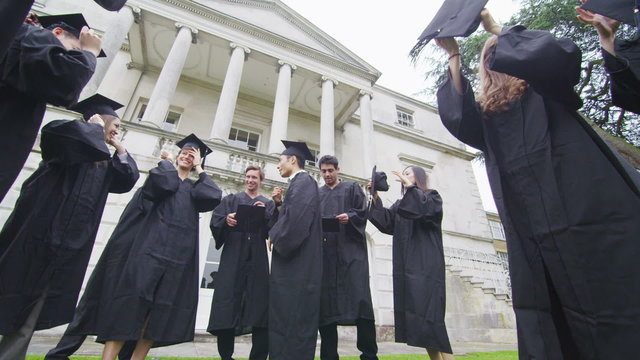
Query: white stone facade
x,y
214,66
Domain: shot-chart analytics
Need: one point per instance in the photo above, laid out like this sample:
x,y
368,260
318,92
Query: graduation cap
x,y
298,149
111,5
192,141
250,218
96,104
378,181
621,10
72,23
455,18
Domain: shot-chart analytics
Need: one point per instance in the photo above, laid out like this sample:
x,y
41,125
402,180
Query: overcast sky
x,y
382,33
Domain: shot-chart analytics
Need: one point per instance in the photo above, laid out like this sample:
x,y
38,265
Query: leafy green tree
x,y
558,17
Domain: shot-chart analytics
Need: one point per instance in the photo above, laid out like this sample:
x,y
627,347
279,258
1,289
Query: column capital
x,y
193,30
326,78
284,62
365,93
136,12
247,51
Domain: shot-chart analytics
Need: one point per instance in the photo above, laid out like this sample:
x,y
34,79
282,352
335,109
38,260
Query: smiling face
x,y
252,180
111,127
185,158
286,165
408,172
329,174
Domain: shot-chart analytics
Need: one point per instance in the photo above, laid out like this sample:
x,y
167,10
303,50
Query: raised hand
x,y
89,41
606,27
401,178
489,24
96,119
276,195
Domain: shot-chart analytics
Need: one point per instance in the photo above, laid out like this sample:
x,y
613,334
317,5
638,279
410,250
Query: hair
x,y
329,160
421,179
497,90
256,168
299,160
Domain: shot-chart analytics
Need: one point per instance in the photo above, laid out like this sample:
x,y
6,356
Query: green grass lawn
x,y
498,355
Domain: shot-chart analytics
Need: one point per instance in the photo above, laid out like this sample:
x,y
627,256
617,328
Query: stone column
x,y
229,95
112,40
366,127
327,117
169,76
281,108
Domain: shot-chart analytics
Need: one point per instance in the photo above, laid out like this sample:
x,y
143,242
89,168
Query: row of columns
x,y
169,77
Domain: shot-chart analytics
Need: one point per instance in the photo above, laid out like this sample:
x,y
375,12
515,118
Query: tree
x,y
558,17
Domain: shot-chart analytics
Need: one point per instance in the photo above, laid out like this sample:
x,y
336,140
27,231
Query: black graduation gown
x,y
241,297
36,70
12,15
346,296
296,272
48,238
419,291
159,279
570,206
624,73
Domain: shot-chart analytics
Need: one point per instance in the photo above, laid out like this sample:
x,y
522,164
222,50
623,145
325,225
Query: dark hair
x,y
329,160
298,160
420,177
256,168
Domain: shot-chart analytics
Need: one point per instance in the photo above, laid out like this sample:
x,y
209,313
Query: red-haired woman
x,y
570,206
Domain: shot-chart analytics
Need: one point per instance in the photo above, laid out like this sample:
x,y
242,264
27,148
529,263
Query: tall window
x,y
211,266
244,139
405,118
497,231
171,119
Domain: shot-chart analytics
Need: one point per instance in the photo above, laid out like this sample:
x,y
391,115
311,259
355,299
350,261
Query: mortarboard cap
x,y
96,104
297,148
72,23
378,181
192,141
111,5
621,10
455,18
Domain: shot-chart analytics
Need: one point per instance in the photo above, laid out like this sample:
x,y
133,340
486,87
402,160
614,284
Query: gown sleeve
x,y
218,224
72,142
625,84
550,65
205,193
460,113
423,206
163,181
381,217
46,70
125,173
295,218
357,214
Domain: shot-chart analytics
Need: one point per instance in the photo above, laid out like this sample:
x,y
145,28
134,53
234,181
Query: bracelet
x,y
454,55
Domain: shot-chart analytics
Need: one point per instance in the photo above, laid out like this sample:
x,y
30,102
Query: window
x,y
405,118
316,155
170,122
211,265
244,139
497,231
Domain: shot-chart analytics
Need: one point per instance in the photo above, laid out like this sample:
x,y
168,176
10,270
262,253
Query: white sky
x,y
382,33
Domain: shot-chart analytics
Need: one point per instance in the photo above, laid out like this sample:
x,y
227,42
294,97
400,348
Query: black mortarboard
x,y
455,18
72,23
192,141
378,181
96,104
250,218
297,148
621,10
111,5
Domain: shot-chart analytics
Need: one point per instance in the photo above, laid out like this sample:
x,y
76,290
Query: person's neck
x,y
332,186
252,193
295,171
183,173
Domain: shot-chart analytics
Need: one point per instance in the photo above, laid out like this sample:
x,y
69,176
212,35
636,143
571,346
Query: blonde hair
x,y
497,90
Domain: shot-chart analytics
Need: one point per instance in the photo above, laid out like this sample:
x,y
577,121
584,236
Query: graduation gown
x,y
158,282
296,272
37,70
241,297
569,204
418,267
48,238
12,15
346,296
624,73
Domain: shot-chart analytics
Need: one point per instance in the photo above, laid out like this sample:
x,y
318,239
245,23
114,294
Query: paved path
x,y
206,347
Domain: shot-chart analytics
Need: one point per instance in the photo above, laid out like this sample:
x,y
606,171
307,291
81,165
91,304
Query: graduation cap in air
x,y
111,5
378,181
72,23
192,141
455,18
96,104
621,10
297,148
